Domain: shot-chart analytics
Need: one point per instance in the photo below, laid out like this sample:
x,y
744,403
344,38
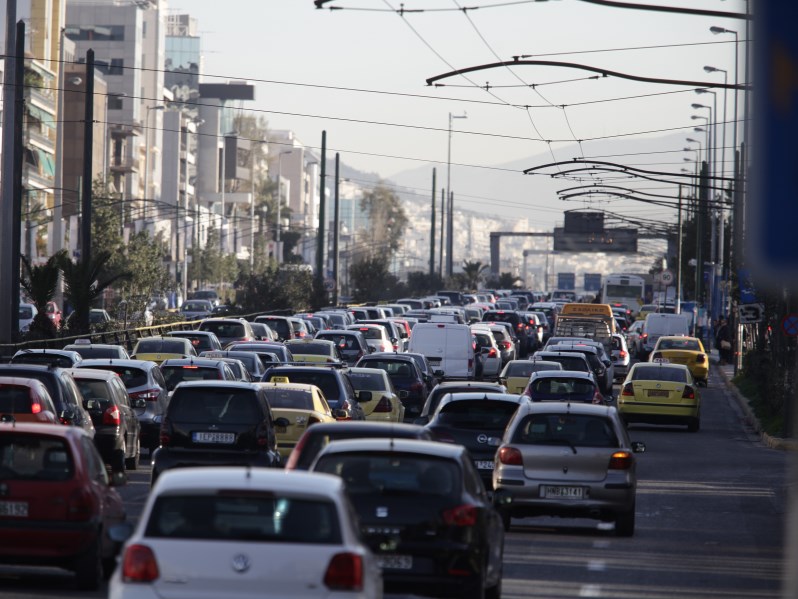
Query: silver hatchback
x,y
569,460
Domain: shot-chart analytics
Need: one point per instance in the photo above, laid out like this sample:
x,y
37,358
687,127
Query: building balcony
x,y
121,128
41,97
128,164
44,138
36,178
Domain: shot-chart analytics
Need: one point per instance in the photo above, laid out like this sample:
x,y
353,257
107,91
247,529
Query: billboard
x,y
592,281
566,281
610,240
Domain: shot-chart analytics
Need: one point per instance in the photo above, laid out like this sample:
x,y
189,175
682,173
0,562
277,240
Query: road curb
x,y
750,417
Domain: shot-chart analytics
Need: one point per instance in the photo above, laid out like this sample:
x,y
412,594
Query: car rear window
x,y
658,373
225,329
160,346
44,358
563,386
682,344
520,369
313,349
25,312
90,353
245,515
195,307
33,457
278,325
324,380
199,406
131,377
539,365
371,333
570,362
342,341
14,399
179,374
393,474
566,429
296,399
200,342
398,368
477,414
367,381
94,390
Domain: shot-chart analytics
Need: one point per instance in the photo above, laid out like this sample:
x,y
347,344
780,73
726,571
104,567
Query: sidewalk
x,y
726,374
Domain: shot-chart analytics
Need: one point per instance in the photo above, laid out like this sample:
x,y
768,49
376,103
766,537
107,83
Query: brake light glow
x,y
492,353
165,436
644,336
689,393
35,406
191,367
622,355
462,515
620,460
384,405
345,573
628,390
111,416
511,456
139,565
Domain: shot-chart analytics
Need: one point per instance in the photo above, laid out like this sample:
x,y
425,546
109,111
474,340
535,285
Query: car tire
x,y
118,460
476,589
625,523
132,463
693,425
88,568
506,520
495,592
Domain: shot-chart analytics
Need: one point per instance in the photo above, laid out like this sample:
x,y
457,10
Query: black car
x,y
477,422
515,319
279,324
47,357
90,351
441,389
410,384
316,438
179,370
425,514
223,423
267,350
352,344
201,340
333,382
61,386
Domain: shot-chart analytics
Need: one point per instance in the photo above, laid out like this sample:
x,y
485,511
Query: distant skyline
x,y
289,51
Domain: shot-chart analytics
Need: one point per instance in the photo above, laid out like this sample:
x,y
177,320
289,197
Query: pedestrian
x,y
723,341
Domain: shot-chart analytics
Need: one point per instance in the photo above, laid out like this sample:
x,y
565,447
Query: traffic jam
x,y
388,448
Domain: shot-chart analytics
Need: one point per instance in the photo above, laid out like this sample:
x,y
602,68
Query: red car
x,y
57,502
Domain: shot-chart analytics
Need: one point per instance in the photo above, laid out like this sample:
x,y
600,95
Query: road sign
x,y
667,277
751,313
790,325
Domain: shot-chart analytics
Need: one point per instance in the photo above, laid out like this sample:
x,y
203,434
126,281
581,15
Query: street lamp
x,y
147,158
279,201
716,31
450,228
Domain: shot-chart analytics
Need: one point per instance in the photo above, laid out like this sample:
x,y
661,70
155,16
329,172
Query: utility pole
x,y
443,221
432,231
16,212
679,258
88,142
320,240
337,232
450,238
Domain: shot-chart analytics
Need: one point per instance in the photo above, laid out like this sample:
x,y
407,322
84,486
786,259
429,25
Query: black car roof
x,y
206,362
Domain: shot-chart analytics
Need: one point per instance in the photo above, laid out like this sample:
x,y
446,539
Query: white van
x,y
447,346
659,325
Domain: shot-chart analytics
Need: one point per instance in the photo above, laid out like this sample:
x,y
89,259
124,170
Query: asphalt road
x,y
710,524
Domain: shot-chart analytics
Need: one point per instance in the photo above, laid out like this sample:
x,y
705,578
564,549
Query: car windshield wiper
x,y
559,441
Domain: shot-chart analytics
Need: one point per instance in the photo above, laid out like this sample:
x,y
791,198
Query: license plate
x,y
562,492
224,438
279,430
15,509
658,393
483,465
395,562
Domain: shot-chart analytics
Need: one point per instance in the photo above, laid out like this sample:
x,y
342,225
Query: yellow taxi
x,y
645,310
515,375
660,393
157,349
311,350
302,405
684,350
376,394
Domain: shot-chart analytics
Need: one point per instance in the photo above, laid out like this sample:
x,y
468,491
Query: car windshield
x,y
659,373
368,381
178,374
160,346
682,344
577,430
563,386
250,515
33,457
296,399
393,474
202,406
477,414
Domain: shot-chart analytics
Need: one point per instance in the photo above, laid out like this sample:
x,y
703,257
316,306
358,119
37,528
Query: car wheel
x,y
625,523
693,425
477,588
118,460
506,520
495,592
89,569
132,463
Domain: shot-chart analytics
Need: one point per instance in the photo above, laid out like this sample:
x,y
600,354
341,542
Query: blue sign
x,y
747,291
771,206
592,281
566,281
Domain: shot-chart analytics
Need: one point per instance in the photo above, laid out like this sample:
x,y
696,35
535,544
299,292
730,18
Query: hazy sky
x,y
290,51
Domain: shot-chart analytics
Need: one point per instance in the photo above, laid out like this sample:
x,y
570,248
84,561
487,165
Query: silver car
x,y
569,460
620,356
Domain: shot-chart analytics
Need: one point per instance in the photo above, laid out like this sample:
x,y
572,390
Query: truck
x,y
593,321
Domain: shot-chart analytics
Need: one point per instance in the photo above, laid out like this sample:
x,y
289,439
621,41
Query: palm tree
x,y
39,283
84,283
473,272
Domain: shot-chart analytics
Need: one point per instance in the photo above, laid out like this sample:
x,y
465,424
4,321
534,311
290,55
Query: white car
x,y
245,532
376,336
27,312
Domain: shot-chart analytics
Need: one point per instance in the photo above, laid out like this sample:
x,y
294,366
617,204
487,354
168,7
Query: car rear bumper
x,y
165,458
108,440
659,414
44,542
602,499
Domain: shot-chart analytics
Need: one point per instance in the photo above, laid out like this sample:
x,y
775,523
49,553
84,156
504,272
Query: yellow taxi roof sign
x,y
280,379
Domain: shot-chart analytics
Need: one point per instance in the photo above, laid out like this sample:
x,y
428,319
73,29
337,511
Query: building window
x,y
109,33
115,67
114,102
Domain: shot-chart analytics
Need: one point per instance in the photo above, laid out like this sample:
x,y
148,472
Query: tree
x,y
144,261
39,283
386,222
276,288
84,283
370,279
474,272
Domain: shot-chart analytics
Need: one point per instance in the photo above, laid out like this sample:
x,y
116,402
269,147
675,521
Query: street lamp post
x,y
450,228
279,202
147,158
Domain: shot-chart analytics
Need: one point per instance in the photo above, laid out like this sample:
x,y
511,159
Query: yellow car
x,y
645,310
302,405
660,393
515,375
320,351
683,350
384,404
158,349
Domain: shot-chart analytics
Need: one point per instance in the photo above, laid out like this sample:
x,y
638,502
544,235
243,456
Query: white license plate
x,y
562,492
16,509
395,562
224,438
484,465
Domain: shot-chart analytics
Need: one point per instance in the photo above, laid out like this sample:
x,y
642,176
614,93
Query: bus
x,y
624,289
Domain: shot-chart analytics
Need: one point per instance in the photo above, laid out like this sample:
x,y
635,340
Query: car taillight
x,y
35,406
146,395
622,355
700,358
492,353
165,436
313,420
628,390
644,336
139,565
81,505
384,405
462,515
345,573
505,344
598,398
111,416
395,347
620,460
418,386
293,458
520,325
689,393
510,456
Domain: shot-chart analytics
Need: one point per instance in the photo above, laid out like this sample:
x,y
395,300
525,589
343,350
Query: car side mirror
x,y
502,380
438,372
372,349
394,340
638,447
282,421
364,396
340,415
